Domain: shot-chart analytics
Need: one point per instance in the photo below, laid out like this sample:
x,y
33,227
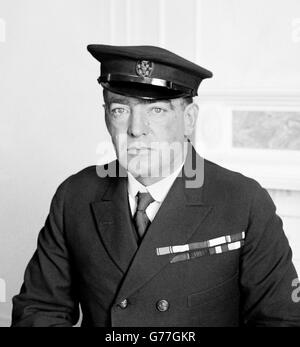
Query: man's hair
x,y
105,92
185,101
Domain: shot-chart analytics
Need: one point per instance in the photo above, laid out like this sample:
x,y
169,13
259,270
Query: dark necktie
x,y
140,218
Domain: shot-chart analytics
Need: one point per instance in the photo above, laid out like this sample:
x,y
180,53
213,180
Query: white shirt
x,y
158,191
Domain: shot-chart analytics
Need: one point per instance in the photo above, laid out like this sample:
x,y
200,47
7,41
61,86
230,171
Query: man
x,y
160,237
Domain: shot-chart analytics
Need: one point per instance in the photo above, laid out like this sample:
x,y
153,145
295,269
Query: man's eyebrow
x,y
155,101
158,101
164,101
125,101
118,101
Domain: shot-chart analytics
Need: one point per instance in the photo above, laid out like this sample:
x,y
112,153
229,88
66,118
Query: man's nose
x,y
137,125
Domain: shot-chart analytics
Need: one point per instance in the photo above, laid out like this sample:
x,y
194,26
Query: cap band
x,y
146,80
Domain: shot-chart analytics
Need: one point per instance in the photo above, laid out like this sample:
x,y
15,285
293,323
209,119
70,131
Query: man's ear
x,y
190,118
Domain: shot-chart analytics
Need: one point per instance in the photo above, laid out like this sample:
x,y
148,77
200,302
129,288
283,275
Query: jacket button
x,y
162,305
124,303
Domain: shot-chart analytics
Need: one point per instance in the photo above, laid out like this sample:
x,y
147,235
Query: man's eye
x,y
118,111
157,110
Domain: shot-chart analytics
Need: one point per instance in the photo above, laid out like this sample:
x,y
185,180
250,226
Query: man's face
x,y
148,135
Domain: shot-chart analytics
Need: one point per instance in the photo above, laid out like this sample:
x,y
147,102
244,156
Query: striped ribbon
x,y
201,245
207,251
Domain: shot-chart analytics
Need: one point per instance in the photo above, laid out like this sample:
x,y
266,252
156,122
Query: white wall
x,y
50,114
50,104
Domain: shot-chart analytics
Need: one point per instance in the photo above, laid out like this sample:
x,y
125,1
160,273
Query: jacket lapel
x,y
179,216
114,223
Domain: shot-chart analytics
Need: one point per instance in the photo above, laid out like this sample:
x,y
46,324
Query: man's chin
x,y
140,172
139,165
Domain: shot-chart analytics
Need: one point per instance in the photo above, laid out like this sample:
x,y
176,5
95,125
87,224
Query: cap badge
x,y
144,68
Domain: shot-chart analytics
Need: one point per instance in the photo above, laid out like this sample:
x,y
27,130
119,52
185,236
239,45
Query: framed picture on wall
x,y
258,139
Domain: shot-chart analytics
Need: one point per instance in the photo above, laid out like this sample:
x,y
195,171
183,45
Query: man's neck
x,y
148,181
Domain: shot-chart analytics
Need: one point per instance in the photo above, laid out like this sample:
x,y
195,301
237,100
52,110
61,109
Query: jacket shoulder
x,y
228,184
86,183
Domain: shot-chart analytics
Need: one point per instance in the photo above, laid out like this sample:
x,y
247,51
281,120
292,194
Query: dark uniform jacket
x,y
87,254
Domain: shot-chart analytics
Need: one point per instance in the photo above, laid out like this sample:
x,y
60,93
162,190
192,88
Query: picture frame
x,y
273,162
